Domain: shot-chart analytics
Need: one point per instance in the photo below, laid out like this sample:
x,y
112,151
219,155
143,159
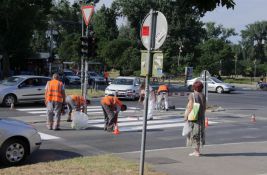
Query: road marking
x,y
90,109
47,136
131,124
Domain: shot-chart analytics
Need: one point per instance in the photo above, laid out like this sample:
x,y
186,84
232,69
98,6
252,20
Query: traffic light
x,y
86,46
94,47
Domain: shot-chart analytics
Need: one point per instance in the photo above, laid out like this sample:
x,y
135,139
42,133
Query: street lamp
x,y
235,64
180,51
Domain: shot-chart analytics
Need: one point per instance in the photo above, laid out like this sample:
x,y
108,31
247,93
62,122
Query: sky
x,y
245,12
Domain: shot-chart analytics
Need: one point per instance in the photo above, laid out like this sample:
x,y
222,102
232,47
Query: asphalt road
x,y
229,122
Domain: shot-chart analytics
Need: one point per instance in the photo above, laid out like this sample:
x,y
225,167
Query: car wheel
x,y
219,90
9,99
13,152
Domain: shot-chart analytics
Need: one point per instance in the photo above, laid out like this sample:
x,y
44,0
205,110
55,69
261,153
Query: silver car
x,y
17,141
22,88
124,87
214,85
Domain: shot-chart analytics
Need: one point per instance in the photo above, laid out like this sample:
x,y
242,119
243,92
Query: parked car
x,y
69,77
17,141
124,87
214,85
22,88
94,77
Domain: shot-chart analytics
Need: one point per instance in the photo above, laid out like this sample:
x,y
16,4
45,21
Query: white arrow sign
x,y
87,11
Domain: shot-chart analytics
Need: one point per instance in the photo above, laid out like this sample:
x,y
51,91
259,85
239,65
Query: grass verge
x,y
91,93
95,165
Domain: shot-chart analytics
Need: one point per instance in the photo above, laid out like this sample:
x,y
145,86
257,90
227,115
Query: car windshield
x,y
69,74
11,81
216,80
93,74
122,81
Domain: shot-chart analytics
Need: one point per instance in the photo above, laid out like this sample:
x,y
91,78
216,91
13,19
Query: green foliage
x,y
18,19
252,40
215,55
69,48
104,24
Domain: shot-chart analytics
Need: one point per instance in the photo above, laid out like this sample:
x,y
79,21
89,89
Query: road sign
x,y
87,12
161,30
157,63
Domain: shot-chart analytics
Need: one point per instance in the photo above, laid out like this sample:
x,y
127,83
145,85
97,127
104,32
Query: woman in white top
x,y
151,100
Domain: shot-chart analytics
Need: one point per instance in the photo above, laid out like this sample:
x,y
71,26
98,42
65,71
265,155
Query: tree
x,y
254,38
104,24
112,53
18,20
215,55
219,31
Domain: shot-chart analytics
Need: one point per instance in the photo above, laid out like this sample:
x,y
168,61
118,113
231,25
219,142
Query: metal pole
x,y
85,78
255,69
85,86
82,58
148,75
235,64
51,50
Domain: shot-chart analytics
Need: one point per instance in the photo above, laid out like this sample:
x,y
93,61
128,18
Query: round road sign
x,y
161,30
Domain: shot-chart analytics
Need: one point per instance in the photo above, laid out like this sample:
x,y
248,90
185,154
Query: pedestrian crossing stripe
x,y
90,109
131,124
47,136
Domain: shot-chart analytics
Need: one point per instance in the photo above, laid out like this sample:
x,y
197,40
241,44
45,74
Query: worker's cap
x,y
123,108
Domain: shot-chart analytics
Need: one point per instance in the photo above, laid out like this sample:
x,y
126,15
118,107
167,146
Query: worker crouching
x,y
77,103
111,106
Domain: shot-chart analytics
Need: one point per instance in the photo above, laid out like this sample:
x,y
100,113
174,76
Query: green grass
x,y
91,93
95,165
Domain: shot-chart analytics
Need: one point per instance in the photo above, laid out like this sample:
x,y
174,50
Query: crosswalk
x,y
130,120
91,110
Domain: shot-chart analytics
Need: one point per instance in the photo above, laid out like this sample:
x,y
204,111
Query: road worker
x,y
54,100
106,75
76,102
111,106
163,92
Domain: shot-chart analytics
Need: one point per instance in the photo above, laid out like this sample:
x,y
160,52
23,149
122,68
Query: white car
x,y
214,85
17,141
124,87
23,88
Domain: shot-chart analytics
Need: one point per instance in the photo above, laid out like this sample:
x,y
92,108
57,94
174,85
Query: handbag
x,y
186,129
193,115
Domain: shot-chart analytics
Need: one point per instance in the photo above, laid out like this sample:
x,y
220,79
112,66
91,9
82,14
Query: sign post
x,y
87,12
153,34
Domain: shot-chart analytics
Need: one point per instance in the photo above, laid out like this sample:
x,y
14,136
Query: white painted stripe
x,y
47,136
133,122
100,111
31,109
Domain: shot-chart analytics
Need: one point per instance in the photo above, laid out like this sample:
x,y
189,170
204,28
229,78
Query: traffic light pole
x,y
85,91
82,58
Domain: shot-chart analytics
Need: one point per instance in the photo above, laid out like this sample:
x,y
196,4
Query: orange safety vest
x,y
79,100
54,91
163,88
111,101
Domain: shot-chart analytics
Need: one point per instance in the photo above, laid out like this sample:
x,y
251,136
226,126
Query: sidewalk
x,y
248,158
